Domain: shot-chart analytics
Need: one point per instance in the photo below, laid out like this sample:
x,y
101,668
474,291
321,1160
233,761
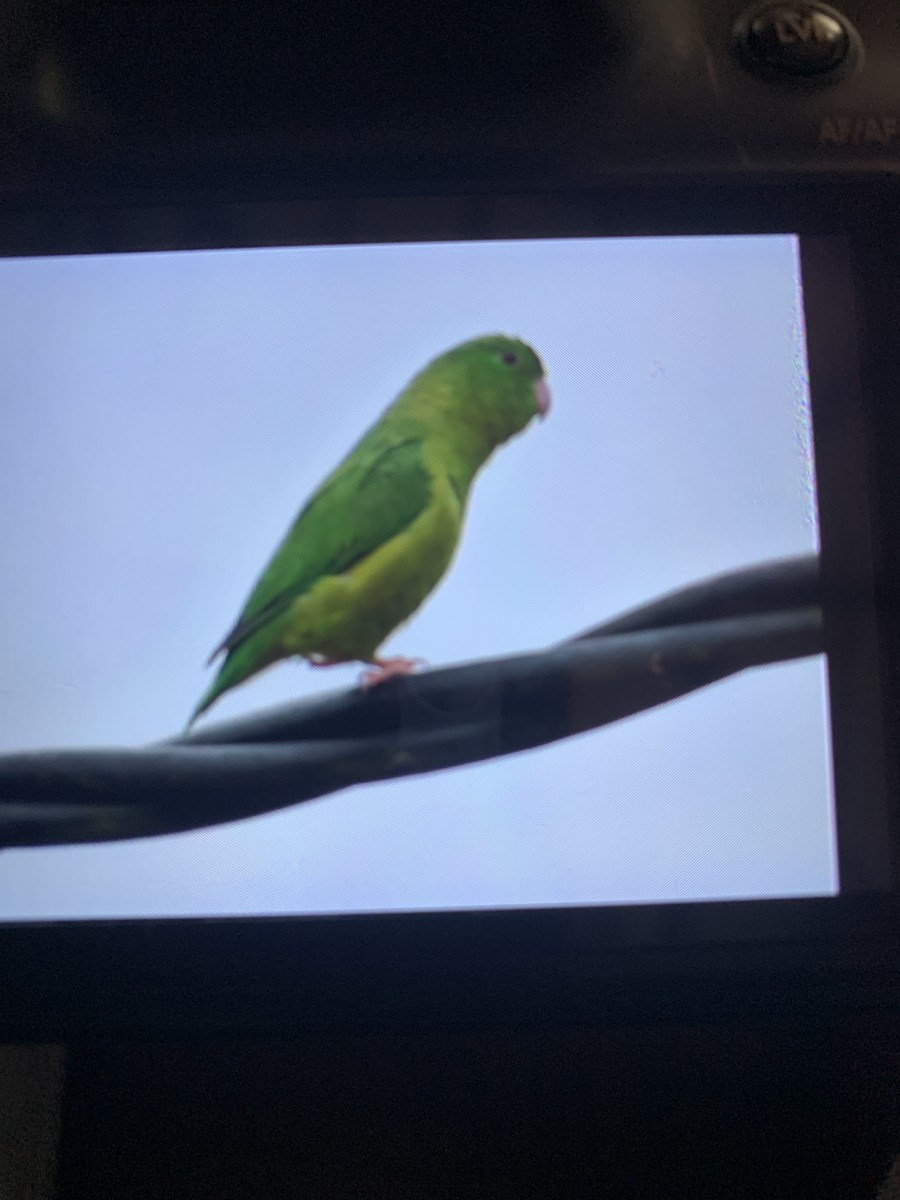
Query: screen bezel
x,y
178,965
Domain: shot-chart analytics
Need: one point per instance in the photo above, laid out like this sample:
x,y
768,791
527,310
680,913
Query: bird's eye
x,y
510,358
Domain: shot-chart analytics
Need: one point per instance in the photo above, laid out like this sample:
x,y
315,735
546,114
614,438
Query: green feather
x,y
379,534
373,496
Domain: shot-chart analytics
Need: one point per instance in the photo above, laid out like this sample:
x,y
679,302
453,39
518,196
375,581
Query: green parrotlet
x,y
379,534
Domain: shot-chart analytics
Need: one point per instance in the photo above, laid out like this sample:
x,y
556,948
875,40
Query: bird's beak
x,y
542,398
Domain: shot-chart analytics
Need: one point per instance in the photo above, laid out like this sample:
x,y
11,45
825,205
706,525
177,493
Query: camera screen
x,y
166,416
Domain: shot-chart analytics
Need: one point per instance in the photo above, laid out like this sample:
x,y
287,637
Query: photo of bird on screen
x,y
313,459
378,536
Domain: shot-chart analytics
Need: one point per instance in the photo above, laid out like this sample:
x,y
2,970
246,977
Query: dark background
x,y
780,1109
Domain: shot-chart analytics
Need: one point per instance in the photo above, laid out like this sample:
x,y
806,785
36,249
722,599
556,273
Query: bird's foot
x,y
389,668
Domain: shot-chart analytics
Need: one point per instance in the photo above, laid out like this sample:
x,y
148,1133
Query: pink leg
x,y
389,668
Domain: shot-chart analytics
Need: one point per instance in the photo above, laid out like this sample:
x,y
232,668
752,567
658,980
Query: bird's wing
x,y
374,495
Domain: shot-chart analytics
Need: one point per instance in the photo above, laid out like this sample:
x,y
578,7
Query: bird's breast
x,y
347,617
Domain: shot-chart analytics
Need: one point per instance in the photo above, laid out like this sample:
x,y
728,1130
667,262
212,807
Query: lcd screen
x,y
165,417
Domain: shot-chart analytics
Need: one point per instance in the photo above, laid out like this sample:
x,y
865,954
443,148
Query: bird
x,y
379,534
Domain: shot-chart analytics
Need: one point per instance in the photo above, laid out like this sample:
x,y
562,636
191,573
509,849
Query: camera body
x,y
273,101
166,130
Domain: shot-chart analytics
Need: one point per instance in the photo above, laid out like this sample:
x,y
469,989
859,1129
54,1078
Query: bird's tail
x,y
210,696
245,660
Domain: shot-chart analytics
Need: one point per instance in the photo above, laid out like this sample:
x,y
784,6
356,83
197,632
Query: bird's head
x,y
500,382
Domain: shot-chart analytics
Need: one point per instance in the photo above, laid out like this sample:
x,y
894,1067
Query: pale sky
x,y
166,415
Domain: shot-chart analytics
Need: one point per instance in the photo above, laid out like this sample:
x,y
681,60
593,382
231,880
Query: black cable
x,y
428,722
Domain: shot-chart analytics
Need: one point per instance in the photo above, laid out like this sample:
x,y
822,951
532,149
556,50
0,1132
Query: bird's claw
x,y
389,668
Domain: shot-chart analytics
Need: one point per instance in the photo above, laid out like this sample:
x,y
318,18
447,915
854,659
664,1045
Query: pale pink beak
x,y
542,398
